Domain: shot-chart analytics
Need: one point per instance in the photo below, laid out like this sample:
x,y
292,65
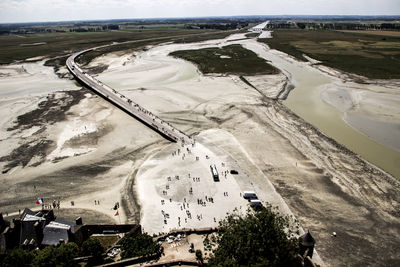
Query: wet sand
x,y
284,159
329,99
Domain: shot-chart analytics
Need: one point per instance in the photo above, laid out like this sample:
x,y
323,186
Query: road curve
x,y
143,115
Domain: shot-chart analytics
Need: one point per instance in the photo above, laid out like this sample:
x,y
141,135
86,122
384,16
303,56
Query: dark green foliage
x,y
199,255
46,257
16,258
92,247
229,59
66,253
202,37
252,34
49,256
142,245
262,238
368,55
62,256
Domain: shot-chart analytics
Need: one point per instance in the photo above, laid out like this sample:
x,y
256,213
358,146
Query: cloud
x,y
56,10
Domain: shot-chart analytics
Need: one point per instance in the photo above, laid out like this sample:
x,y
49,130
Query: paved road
x,y
126,104
259,27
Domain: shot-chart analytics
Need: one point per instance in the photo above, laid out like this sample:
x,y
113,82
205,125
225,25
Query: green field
x,y
233,59
201,38
372,56
21,47
252,34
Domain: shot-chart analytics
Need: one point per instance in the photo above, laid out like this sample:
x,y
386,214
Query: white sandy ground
x,y
91,115
326,189
269,85
22,87
311,60
156,176
30,79
260,26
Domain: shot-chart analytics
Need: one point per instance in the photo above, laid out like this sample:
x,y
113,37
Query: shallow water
x,y
306,102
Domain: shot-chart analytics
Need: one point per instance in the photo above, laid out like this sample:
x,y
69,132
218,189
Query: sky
x,y
62,10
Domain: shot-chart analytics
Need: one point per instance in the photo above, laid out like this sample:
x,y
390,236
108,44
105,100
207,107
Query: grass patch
x,y
372,56
232,59
252,34
201,38
106,241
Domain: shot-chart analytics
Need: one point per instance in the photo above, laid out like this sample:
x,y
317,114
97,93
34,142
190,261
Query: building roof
x,y
27,211
42,228
54,233
32,218
29,231
72,225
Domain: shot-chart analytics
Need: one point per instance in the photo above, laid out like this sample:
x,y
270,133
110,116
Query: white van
x,y
249,195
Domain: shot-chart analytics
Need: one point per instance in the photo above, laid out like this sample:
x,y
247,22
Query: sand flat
x,y
283,158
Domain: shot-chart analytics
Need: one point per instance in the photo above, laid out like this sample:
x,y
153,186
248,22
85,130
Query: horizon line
x,y
198,17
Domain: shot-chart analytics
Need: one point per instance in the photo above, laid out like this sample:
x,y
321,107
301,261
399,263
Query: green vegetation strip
x,y
25,46
252,35
376,57
233,59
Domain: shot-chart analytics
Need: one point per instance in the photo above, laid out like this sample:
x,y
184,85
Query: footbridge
x,y
143,115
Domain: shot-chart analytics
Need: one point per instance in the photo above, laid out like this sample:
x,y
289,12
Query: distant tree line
x,y
217,26
110,27
77,27
333,25
281,25
82,29
349,26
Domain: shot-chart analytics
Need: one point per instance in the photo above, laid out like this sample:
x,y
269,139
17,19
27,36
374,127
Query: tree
x,y
49,256
260,238
16,257
45,257
61,256
92,247
66,253
141,245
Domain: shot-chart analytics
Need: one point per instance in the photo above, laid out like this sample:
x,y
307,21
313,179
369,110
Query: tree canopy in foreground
x,y
141,245
260,238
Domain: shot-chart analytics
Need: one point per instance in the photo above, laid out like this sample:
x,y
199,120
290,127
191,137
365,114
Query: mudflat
x,y
100,153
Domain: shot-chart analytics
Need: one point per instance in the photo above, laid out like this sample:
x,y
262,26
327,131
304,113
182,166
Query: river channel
x,y
305,100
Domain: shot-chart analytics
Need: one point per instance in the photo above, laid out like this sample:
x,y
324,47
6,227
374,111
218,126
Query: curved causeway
x,y
135,110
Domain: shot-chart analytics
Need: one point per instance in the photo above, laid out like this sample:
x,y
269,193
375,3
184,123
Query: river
x,y
306,101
